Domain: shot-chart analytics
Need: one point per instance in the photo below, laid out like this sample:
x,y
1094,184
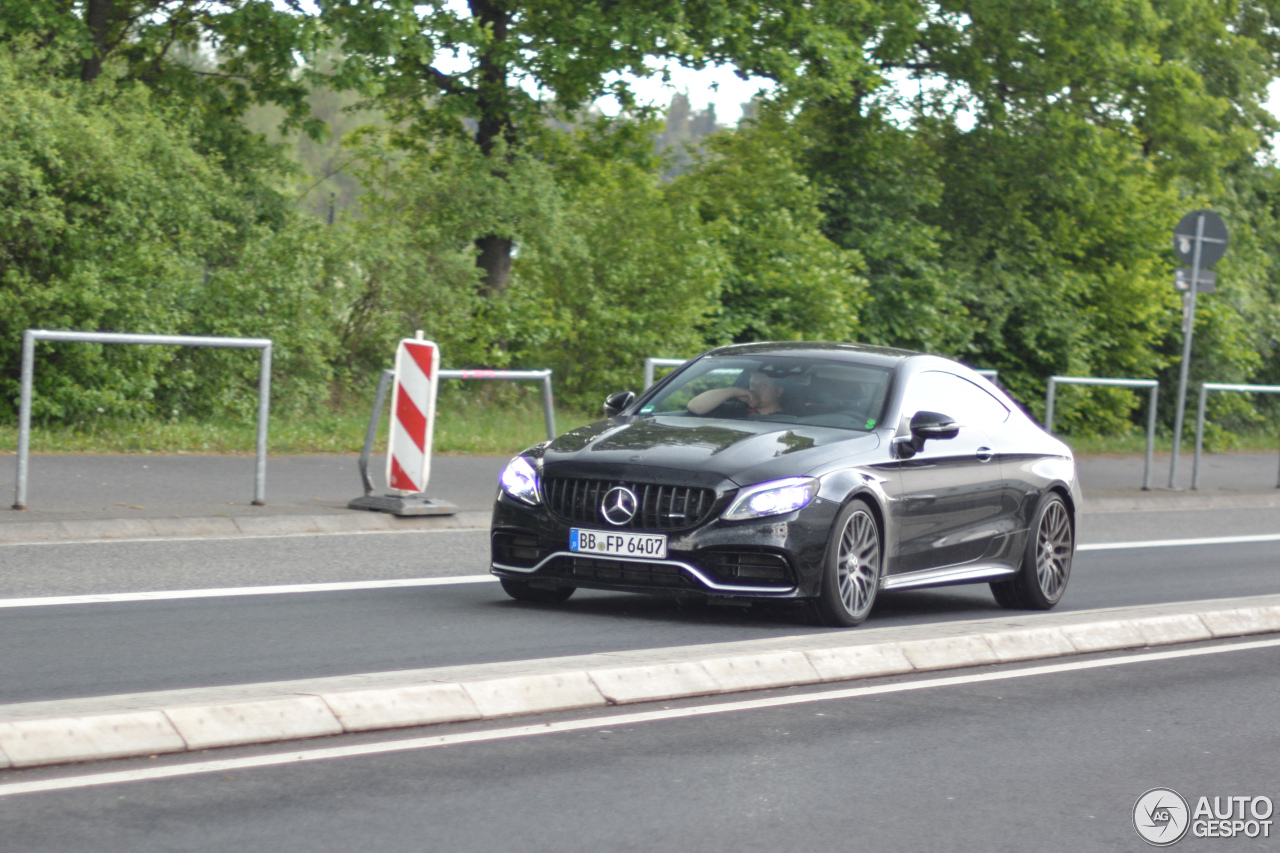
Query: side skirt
x,y
948,575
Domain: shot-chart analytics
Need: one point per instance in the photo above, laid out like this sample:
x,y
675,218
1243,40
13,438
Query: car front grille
x,y
619,572
659,507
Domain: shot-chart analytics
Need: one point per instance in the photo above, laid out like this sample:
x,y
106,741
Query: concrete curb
x,y
352,521
45,733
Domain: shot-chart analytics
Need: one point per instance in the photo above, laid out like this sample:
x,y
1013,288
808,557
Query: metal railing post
x,y
548,406
371,433
651,363
24,417
1055,381
264,414
543,376
1200,406
1151,437
1205,388
1048,405
30,336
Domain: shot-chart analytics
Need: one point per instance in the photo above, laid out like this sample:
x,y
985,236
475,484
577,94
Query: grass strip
x,y
466,431
475,428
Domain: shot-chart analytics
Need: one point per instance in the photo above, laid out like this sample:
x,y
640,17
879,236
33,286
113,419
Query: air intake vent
x,y
751,568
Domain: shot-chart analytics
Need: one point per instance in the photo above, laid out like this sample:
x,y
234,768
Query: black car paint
x,y
951,505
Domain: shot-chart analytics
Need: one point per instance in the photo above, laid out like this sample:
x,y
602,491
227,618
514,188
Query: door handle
x,y
984,454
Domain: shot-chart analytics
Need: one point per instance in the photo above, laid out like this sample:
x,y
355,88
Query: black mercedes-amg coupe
x,y
808,472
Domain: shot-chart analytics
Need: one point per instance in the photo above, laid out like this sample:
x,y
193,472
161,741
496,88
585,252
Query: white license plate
x,y
651,545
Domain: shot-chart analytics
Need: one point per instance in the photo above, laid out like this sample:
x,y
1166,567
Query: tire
x,y
1046,560
852,568
522,591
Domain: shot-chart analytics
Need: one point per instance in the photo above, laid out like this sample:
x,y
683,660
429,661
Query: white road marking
x,y
295,757
1179,543
175,595
242,536
238,537
290,589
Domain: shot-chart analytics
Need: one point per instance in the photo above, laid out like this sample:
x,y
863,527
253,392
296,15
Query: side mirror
x,y
933,425
925,425
616,402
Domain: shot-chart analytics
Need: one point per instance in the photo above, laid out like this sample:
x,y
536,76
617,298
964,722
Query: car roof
x,y
861,353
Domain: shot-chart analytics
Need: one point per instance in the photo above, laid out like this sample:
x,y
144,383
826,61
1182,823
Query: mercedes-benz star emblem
x,y
618,506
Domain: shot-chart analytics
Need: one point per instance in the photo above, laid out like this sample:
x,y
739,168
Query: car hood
x,y
743,451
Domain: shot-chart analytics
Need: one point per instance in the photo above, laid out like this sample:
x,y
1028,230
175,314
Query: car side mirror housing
x,y
616,402
933,425
924,426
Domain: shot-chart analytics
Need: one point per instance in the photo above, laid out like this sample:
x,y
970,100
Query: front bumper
x,y
779,557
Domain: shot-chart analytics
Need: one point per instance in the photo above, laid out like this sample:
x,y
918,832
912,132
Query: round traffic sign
x,y
1214,244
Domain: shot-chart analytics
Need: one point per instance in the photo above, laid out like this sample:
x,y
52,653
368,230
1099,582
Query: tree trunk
x,y
495,260
97,17
494,123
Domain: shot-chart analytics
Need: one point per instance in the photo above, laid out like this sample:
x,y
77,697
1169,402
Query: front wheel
x,y
1046,563
851,573
522,591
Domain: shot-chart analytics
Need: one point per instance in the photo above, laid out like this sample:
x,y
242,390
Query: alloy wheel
x,y
1053,550
859,563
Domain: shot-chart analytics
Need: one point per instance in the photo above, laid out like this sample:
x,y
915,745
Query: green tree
x,y
783,279
162,43
1013,189
635,271
496,73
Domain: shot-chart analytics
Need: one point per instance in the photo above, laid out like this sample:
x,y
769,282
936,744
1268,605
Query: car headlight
x,y
772,498
520,481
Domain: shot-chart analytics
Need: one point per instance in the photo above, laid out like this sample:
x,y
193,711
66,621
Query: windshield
x,y
782,389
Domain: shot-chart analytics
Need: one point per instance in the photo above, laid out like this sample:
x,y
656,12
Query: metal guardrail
x,y
1204,396
1055,381
30,336
380,398
651,363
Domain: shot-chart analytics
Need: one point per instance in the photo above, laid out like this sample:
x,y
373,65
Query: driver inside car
x,y
762,397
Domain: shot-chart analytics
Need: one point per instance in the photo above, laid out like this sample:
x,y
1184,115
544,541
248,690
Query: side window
x,y
935,391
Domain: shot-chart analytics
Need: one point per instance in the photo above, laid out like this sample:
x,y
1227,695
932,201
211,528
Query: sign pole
x,y
1184,372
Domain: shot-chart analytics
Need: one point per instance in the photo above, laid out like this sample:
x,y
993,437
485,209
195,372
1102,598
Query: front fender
x,y
872,485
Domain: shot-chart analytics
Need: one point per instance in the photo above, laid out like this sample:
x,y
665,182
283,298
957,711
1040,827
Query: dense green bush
x,y
114,220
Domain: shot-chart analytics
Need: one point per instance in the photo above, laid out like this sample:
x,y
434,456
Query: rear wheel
x,y
522,591
1046,562
851,574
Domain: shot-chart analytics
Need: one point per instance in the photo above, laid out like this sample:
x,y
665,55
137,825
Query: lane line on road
x,y
237,537
1179,543
290,589
1097,546
382,747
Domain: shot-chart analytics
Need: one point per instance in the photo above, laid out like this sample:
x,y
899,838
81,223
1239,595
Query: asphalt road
x,y
167,564
1043,762
95,649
